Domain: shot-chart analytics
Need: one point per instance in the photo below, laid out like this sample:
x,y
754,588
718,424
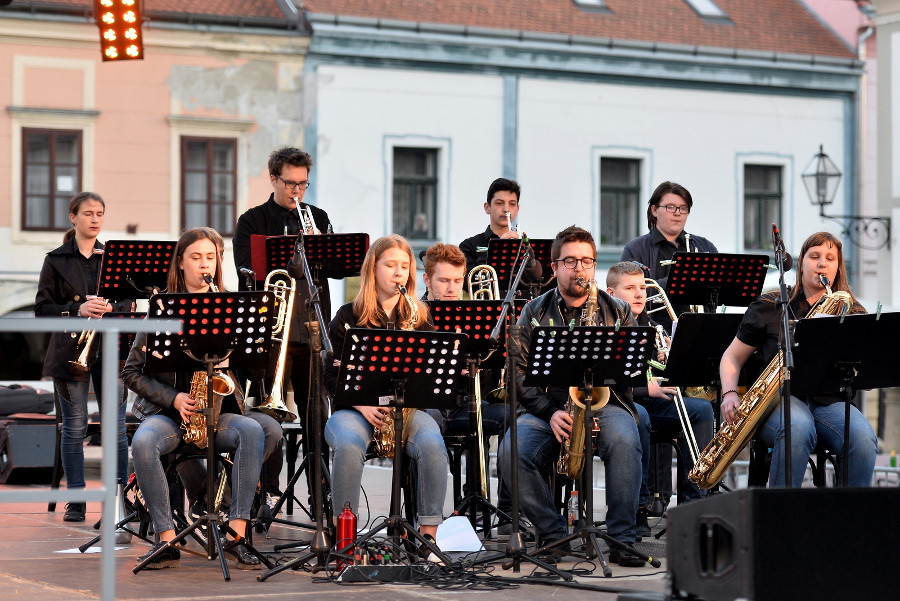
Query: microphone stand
x,y
786,347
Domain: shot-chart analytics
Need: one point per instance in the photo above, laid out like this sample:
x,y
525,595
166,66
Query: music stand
x,y
588,357
334,256
400,369
505,256
845,354
241,324
134,266
715,279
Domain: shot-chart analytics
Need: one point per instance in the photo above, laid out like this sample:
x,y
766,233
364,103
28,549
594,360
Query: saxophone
x,y
384,435
756,404
195,428
571,451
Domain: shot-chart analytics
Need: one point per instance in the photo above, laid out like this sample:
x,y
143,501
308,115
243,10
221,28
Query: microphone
x,y
247,273
778,243
529,252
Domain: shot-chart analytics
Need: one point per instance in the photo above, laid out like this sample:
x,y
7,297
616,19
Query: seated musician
x,y
625,280
444,277
502,207
545,422
388,264
816,419
164,404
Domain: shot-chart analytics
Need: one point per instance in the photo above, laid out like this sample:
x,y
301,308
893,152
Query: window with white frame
x,y
620,190
51,176
763,199
415,184
209,183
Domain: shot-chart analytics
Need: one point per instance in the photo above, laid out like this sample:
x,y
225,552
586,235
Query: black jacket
x,y
544,402
270,219
62,288
475,251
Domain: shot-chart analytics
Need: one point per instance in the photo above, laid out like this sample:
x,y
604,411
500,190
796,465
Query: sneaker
x,y
625,558
170,558
243,559
75,512
641,525
426,553
272,501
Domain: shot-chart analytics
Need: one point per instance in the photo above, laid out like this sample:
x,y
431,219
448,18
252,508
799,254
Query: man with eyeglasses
x,y
289,176
545,423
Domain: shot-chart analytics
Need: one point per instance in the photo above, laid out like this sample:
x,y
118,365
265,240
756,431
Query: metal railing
x,y
106,494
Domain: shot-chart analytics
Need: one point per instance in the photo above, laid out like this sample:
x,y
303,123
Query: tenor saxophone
x,y
755,406
195,427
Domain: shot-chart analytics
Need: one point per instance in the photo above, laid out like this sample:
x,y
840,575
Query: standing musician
x,y
67,287
164,404
625,280
814,419
388,264
289,171
545,423
502,207
444,276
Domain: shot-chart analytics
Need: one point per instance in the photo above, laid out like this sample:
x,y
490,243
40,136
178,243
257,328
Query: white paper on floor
x,y
457,534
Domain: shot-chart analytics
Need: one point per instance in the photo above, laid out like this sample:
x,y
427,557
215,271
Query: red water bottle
x,y
346,533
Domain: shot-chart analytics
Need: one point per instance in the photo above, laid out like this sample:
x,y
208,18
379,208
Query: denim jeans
x,y
159,435
620,449
348,434
664,418
814,423
73,406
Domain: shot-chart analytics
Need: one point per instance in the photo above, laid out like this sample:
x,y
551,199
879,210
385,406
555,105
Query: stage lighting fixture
x,y
120,29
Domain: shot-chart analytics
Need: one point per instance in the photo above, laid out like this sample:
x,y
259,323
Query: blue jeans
x,y
620,449
159,435
814,423
664,418
348,434
73,406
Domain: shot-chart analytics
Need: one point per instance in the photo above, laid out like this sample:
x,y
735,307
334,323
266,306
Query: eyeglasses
x,y
291,185
572,262
678,210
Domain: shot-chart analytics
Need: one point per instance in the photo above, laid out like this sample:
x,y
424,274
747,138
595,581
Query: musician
x,y
164,404
545,422
289,176
444,276
814,419
67,287
349,431
625,280
502,208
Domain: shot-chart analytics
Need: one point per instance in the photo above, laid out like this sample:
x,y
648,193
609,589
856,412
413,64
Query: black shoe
x,y
75,512
170,558
625,558
642,526
244,559
424,551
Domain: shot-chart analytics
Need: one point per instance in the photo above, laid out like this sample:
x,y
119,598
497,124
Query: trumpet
x,y
86,339
280,283
483,283
307,223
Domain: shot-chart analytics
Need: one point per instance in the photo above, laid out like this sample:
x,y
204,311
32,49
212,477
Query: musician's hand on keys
x,y
377,416
185,405
561,424
730,402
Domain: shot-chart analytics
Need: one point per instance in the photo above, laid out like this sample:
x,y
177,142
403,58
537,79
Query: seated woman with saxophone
x,y
386,299
818,419
165,403
67,287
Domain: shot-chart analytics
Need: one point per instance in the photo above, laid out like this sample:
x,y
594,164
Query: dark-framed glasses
x,y
291,185
572,262
678,210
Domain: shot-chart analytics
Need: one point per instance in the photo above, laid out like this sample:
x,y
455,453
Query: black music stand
x,y
715,279
400,369
589,357
135,266
845,354
505,255
241,324
476,319
334,256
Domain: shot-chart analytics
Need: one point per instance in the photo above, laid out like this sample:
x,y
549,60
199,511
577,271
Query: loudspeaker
x,y
26,453
827,544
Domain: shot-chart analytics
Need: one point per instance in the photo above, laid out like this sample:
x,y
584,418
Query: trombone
x,y
280,283
483,283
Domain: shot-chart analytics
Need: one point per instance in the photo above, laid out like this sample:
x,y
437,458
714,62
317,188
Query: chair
x,y
761,460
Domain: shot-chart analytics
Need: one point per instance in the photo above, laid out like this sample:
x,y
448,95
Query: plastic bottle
x,y
346,531
893,458
572,509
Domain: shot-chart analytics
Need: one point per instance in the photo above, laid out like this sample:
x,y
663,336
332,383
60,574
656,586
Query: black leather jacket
x,y
544,402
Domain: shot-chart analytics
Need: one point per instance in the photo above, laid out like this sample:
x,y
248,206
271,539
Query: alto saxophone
x,y
195,428
571,451
756,405
384,435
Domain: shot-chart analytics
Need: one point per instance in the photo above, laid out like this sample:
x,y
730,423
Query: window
x,y
592,5
709,11
51,174
415,193
619,200
762,204
208,183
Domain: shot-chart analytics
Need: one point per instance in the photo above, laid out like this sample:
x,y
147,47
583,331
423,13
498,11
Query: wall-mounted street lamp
x,y
821,178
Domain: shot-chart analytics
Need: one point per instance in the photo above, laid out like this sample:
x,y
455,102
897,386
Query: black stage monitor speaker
x,y
822,544
26,453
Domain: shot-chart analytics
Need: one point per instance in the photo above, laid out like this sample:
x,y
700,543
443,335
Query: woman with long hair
x,y
67,288
164,403
379,304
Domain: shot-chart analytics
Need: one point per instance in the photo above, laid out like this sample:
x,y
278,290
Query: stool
x,y
761,460
673,438
456,446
